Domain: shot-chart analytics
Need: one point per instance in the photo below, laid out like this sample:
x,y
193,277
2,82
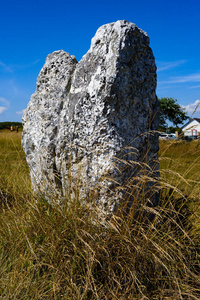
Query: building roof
x,y
190,121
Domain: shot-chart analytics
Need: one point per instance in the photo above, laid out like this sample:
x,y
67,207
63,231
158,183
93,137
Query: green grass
x,y
14,171
180,167
71,252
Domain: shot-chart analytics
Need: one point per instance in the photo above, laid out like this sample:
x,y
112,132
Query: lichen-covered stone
x,y
41,118
96,117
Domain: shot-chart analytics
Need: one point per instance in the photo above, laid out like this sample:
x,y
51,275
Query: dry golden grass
x,y
180,165
14,173
59,252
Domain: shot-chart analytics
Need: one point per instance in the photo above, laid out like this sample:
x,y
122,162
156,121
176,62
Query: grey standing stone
x,y
95,119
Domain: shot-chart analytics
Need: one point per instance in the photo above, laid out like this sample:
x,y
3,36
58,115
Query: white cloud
x,y
12,68
195,87
27,65
183,79
162,66
187,78
192,108
5,67
6,102
2,109
20,112
6,105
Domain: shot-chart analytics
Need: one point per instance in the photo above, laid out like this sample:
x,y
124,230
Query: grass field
x,y
59,252
14,171
180,164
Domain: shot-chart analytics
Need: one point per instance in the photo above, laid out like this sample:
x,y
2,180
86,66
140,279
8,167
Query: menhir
x,y
93,123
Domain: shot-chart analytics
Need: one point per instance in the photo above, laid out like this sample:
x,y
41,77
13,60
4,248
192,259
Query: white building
x,y
192,128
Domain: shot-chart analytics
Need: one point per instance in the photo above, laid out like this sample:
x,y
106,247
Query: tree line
x,y
7,125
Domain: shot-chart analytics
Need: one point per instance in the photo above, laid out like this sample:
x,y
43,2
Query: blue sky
x,y
30,30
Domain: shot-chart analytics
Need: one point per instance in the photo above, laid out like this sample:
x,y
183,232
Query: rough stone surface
x,y
95,117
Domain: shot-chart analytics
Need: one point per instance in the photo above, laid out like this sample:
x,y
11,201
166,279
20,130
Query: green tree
x,y
171,111
6,125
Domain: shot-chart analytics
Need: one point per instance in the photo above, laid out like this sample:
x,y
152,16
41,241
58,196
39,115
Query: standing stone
x,y
95,120
42,116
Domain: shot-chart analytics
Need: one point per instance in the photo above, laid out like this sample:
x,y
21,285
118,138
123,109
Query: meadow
x,y
59,252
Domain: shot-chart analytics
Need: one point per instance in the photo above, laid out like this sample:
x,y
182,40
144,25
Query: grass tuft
x,y
60,252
